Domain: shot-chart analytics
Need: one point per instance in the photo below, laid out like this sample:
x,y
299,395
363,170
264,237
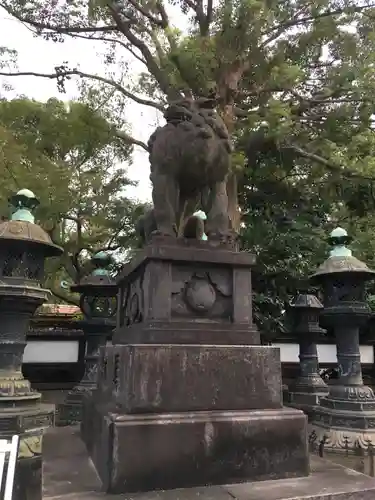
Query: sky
x,y
36,54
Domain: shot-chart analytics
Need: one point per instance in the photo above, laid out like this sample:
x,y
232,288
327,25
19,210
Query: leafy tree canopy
x,y
69,155
294,82
273,64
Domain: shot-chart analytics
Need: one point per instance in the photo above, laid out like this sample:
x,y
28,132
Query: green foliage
x,y
295,83
67,154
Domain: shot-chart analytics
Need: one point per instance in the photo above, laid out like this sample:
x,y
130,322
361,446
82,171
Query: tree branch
x,y
123,25
276,31
64,298
108,248
163,14
108,40
125,28
209,16
202,19
330,166
77,32
146,13
59,29
74,257
61,74
173,49
131,140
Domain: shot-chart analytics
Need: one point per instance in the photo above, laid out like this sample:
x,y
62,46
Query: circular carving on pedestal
x,y
200,295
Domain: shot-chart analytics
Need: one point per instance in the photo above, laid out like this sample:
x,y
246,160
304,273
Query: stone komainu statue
x,y
190,161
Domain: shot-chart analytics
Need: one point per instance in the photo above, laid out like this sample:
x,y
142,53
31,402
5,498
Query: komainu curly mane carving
x,y
190,161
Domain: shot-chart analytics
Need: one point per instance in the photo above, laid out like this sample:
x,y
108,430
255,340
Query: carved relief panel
x,y
201,292
132,301
106,368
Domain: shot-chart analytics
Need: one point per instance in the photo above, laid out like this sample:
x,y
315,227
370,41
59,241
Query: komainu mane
x,y
190,160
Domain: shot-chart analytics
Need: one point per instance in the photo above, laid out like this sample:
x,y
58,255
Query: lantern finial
x,y
339,238
24,201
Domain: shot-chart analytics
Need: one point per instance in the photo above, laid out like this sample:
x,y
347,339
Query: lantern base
x,y
349,397
342,440
97,334
303,401
30,424
310,385
344,428
70,411
305,393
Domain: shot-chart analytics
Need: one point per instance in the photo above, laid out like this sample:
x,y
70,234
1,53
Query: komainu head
x,y
190,160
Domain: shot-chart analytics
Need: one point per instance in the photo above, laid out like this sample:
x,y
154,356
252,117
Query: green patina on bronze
x,y
24,201
340,258
102,261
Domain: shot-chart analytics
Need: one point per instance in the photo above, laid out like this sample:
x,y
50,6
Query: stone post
x,y
347,414
309,387
98,304
187,396
24,246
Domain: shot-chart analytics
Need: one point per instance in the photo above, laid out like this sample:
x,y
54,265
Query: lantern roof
x,y
22,228
306,301
99,281
341,259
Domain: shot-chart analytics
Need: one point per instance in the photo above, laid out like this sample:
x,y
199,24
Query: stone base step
x,y
69,475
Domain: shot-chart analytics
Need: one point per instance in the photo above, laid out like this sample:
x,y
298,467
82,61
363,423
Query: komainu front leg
x,y
165,199
218,223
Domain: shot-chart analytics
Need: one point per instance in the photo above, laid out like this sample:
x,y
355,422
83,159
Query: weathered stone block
x,y
165,451
174,378
186,395
186,293
68,475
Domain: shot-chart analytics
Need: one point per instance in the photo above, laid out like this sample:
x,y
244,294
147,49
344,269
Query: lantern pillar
x,y
309,387
24,247
98,305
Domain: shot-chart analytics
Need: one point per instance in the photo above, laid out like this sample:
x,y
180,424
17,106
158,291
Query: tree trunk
x,y
227,113
233,208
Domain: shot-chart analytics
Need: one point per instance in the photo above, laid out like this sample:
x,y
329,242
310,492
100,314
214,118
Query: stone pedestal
x,y
184,398
186,293
69,475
